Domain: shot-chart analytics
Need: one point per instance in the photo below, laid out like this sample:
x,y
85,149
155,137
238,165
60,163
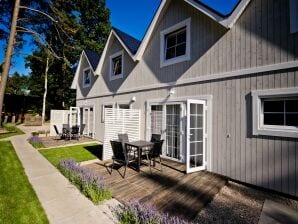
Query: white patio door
x,y
195,156
173,131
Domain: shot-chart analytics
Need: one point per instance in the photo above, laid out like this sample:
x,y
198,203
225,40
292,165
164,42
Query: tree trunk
x,y
45,91
9,52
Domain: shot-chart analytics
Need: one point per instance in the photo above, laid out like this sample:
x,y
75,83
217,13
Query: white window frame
x,y
103,111
120,76
163,61
90,75
257,113
293,16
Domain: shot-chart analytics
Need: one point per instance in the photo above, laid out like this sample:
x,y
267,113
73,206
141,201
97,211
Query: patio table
x,y
139,145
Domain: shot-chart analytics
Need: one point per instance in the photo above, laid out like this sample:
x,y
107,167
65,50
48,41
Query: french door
x,y
173,130
88,121
196,137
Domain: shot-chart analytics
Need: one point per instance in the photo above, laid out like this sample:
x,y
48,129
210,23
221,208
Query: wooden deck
x,y
171,190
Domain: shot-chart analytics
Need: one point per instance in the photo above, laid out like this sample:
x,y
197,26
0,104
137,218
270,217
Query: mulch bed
x,y
52,142
236,203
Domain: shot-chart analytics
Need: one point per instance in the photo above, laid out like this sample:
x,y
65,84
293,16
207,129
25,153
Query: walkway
x,y
62,202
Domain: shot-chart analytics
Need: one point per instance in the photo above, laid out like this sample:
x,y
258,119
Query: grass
x,y
79,153
18,201
13,130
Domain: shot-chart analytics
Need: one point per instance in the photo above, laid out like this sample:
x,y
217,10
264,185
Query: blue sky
x,y
130,16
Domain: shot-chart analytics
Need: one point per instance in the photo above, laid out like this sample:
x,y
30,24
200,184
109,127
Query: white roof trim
x,y
77,73
148,34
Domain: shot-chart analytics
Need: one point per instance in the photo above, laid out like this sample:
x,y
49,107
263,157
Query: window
x,y
293,16
87,78
282,112
275,112
116,65
103,111
175,44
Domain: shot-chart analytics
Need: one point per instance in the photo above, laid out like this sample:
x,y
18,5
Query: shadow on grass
x,y
96,150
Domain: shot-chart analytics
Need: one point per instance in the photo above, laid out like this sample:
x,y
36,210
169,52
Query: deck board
x,y
172,190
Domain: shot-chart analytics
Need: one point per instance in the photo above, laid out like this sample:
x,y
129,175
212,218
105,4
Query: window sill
x,y
278,132
120,76
174,60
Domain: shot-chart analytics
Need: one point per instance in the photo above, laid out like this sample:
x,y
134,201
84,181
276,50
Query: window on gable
x,y
116,66
175,44
87,78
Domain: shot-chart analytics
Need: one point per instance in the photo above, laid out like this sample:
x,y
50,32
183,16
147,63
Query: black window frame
x,y
175,33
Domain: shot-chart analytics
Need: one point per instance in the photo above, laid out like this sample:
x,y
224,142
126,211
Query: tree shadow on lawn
x,y
96,150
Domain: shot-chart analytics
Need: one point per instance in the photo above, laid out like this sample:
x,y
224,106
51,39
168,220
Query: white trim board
x,y
204,78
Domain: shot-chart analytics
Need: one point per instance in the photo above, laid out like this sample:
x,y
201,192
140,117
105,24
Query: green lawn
x,y
79,153
18,201
13,131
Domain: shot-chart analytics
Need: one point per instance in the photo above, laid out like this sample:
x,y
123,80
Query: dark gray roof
x,y
131,43
93,58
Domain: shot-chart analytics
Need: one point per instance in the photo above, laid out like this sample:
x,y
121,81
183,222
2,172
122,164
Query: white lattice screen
x,y
58,118
120,121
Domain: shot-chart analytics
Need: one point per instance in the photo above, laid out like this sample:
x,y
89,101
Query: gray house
x,y
221,89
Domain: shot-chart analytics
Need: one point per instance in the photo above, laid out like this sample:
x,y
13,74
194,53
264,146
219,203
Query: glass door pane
x,y
195,138
173,131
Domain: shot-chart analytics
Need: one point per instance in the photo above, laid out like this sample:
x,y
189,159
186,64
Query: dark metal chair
x,y
120,155
154,153
155,137
58,134
66,133
75,132
123,138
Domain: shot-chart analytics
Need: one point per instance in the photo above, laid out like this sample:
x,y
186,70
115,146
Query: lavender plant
x,y
137,213
90,184
36,142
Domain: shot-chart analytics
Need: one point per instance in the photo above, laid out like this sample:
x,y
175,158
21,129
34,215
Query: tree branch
x,y
38,11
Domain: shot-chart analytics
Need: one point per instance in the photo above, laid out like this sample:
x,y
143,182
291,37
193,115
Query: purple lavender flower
x,y
91,184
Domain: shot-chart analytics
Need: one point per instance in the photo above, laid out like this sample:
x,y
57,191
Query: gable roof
x,y
93,58
136,48
131,43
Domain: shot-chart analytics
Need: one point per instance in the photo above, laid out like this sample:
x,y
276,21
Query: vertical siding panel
x,y
224,127
285,165
277,38
265,147
253,35
292,169
270,32
248,150
243,129
220,132
258,25
259,146
253,143
277,148
284,29
228,127
238,149
264,34
233,129
215,128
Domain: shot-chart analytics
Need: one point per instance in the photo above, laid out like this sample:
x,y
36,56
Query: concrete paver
x,y
62,202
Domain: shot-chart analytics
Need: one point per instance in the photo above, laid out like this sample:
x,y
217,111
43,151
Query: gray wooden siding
x,y
260,37
265,161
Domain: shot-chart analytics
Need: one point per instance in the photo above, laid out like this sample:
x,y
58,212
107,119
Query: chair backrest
x,y
156,149
75,130
56,129
82,128
155,137
118,150
123,138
